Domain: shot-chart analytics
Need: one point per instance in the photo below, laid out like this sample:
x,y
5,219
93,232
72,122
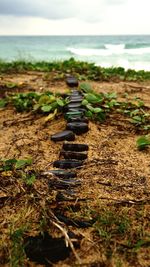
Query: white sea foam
x,y
88,52
110,50
115,47
126,64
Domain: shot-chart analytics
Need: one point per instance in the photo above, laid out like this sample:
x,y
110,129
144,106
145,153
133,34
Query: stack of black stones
x,y
46,249
73,154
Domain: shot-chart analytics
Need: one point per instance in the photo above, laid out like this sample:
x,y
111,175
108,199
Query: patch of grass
x,y
17,255
17,168
120,232
110,225
29,178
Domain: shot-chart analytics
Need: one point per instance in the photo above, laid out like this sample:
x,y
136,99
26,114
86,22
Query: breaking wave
x,y
109,50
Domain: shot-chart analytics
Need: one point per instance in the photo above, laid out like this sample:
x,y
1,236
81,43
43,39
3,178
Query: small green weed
x,y
29,178
17,255
3,103
143,142
18,169
14,164
108,225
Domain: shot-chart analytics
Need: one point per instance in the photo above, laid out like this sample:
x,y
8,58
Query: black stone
x,y
62,197
75,147
67,164
77,127
70,114
64,135
74,105
75,93
77,109
72,82
43,249
74,99
78,119
64,184
61,174
73,155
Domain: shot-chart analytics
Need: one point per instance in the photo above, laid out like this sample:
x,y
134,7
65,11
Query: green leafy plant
x,y
86,88
137,112
24,101
21,163
3,103
143,142
7,165
97,104
41,103
14,164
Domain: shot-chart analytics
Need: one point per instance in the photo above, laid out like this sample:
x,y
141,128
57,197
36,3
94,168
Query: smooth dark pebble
x,y
64,135
75,147
74,105
80,109
69,115
67,164
78,119
73,155
74,99
62,173
72,82
77,127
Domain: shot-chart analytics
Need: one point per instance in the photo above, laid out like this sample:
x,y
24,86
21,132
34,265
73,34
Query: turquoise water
x,y
126,51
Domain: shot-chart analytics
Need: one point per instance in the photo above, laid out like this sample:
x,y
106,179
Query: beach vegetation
x,y
35,102
98,106
57,70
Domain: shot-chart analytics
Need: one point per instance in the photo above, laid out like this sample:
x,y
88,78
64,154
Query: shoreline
x,y
130,52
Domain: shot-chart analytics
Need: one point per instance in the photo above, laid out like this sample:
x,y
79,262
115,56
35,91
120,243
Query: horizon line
x,y
46,35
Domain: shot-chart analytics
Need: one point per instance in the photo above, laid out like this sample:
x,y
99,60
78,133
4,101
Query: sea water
x,y
132,51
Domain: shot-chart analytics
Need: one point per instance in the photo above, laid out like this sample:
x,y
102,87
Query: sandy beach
x,y
115,180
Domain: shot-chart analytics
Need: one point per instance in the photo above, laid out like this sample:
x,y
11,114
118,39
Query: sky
x,y
74,17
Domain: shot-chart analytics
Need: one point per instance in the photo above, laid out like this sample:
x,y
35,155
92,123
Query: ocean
x,y
132,51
